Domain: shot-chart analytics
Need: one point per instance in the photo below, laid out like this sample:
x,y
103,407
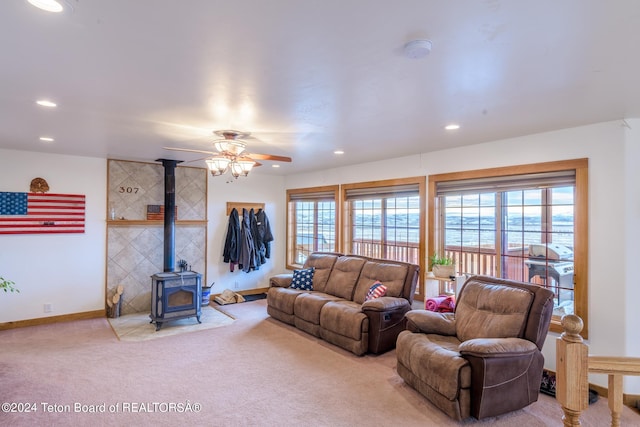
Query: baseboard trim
x,y
246,292
53,319
253,291
632,401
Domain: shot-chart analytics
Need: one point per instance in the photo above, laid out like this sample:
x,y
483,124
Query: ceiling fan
x,y
231,154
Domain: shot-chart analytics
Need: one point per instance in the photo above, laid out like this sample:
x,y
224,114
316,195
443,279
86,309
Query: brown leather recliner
x,y
485,358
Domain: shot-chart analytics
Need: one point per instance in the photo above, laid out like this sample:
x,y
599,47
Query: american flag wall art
x,y
34,213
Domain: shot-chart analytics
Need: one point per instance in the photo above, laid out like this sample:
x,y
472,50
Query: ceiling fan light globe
x,y
245,166
241,167
228,146
218,165
236,170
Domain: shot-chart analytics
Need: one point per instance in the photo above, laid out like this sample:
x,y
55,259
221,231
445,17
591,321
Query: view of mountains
x,y
467,230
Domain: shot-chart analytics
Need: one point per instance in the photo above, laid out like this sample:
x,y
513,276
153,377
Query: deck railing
x,y
480,262
573,365
484,261
399,251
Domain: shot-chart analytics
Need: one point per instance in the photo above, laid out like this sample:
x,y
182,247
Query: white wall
x,y
632,244
612,150
400,167
68,270
255,188
65,270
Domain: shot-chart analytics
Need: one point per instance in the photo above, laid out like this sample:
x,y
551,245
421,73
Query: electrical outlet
x,y
48,308
235,285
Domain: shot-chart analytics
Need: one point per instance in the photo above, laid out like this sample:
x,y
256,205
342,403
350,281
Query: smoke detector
x,y
416,49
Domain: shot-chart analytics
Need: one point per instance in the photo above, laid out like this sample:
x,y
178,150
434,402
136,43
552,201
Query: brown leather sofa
x,y
336,310
484,359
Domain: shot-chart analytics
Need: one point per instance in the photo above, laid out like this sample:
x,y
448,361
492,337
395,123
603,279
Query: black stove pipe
x,y
169,213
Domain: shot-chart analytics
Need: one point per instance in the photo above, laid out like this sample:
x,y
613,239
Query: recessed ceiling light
x,y
46,103
338,152
452,126
416,49
275,166
48,5
46,139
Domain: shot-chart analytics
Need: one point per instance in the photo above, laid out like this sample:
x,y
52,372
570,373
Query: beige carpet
x,y
137,327
254,372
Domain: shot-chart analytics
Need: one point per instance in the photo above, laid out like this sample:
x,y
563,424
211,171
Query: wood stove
x,y
175,296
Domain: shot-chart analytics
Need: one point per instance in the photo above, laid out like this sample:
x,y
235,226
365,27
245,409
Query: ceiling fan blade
x,y
198,160
212,153
249,158
269,157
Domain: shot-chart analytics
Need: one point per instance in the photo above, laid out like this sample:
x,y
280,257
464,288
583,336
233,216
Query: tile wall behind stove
x,y
135,248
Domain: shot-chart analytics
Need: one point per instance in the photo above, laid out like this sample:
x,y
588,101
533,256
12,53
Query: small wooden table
x,y
436,286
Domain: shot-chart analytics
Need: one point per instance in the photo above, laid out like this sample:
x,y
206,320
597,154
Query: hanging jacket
x,y
264,233
247,260
231,252
257,241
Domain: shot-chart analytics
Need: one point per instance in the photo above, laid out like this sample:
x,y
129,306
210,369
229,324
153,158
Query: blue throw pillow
x,y
303,279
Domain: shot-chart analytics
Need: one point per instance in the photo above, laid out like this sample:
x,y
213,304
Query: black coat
x,y
247,259
231,252
257,242
264,235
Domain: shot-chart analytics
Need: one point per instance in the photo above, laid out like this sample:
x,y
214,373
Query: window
x,y
384,219
311,223
526,223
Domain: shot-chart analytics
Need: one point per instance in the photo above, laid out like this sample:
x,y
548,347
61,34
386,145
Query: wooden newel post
x,y
572,370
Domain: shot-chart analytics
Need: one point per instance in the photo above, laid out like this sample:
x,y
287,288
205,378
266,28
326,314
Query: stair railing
x,y
573,365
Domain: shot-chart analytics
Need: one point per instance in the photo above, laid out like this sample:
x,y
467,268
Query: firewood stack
x,y
114,303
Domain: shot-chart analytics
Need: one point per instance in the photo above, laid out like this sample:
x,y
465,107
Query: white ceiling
x,y
307,77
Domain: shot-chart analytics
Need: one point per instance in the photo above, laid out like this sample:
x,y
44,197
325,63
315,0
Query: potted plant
x,y
442,266
7,285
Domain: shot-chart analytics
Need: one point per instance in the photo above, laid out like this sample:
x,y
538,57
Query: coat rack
x,y
243,205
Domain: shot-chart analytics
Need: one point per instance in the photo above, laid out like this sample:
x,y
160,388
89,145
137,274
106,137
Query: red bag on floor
x,y
447,305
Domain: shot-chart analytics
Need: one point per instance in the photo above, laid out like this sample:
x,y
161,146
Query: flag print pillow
x,y
376,290
303,279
